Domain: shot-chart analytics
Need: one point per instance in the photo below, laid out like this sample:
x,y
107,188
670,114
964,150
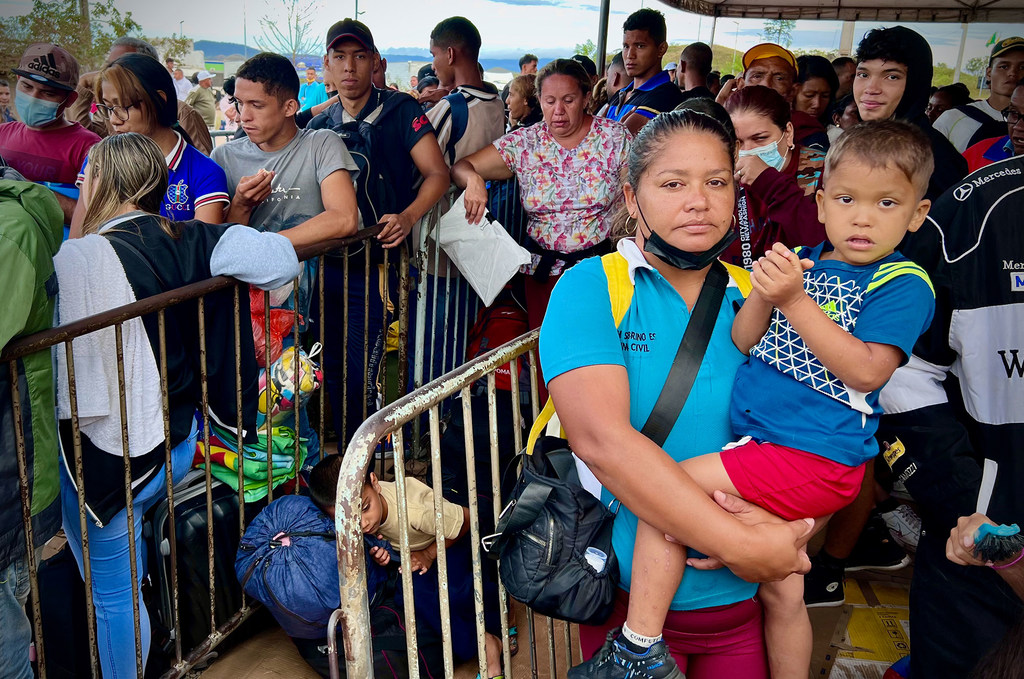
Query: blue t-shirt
x,y
579,330
888,302
193,181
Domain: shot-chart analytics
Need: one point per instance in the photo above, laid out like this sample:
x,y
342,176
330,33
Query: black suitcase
x,y
190,520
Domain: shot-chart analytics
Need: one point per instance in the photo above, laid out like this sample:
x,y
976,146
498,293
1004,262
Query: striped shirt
x,y
657,95
486,122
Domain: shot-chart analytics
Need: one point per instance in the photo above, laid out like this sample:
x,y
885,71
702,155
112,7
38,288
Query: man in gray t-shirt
x,y
299,170
280,178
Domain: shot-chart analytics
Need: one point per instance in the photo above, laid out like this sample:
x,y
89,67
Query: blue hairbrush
x,y
998,543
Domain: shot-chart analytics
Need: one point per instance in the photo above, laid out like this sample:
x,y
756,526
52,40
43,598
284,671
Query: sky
x,y
509,28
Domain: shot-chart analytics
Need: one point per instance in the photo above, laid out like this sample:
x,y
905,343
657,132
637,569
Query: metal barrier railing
x,y
221,623
443,311
390,422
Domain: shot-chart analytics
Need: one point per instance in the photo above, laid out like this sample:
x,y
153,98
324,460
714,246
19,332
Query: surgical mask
x,y
35,112
769,153
680,259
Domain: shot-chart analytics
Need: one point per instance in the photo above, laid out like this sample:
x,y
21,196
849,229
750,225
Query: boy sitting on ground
x,y
380,519
825,329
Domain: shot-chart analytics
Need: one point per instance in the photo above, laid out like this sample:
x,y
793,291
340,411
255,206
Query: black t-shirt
x,y
397,133
697,93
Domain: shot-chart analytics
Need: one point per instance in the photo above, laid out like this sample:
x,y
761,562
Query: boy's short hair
x,y
886,143
274,72
647,19
323,482
527,58
457,32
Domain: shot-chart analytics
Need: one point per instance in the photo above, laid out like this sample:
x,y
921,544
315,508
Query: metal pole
x,y
960,54
714,25
735,45
602,36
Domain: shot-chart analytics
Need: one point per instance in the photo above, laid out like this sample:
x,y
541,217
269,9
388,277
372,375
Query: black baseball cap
x,y
350,29
586,62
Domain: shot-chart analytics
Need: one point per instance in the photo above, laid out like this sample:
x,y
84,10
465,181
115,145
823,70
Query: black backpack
x,y
375,192
989,127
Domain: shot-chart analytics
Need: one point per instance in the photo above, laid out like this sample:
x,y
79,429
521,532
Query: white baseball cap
x,y
203,75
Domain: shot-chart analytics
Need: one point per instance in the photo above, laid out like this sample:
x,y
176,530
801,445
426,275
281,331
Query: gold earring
x,y
636,224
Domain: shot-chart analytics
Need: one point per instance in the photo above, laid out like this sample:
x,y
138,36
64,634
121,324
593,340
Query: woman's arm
x,y
593,406
472,172
211,213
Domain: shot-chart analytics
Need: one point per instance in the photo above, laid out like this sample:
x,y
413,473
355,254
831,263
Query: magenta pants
x,y
710,643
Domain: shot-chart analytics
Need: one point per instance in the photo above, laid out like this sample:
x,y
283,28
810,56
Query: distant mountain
x,y
220,51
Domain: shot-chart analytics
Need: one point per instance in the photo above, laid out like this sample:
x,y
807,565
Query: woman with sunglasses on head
x,y
137,94
128,252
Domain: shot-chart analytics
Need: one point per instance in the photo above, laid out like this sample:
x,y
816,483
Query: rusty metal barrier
x,y
221,623
390,422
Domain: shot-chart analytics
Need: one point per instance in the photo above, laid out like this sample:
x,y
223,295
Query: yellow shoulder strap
x,y
620,293
741,277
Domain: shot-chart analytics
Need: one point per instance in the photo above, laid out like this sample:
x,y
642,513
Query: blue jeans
x,y
15,628
111,568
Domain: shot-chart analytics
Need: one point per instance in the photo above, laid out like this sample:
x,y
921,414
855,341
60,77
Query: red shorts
x,y
788,482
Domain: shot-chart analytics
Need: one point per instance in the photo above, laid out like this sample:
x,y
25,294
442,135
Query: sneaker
x,y
876,549
823,585
615,661
904,526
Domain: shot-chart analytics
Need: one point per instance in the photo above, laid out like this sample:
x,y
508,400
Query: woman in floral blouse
x,y
570,174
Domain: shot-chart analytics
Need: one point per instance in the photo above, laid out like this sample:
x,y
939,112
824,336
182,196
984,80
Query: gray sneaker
x,y
615,661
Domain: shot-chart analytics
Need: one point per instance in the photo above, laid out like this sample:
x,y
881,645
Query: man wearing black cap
x,y
588,65
967,125
45,146
399,145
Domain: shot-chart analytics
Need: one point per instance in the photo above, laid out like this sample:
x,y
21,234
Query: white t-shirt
x,y
958,127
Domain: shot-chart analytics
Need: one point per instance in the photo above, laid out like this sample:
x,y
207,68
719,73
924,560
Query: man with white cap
x,y
45,146
201,98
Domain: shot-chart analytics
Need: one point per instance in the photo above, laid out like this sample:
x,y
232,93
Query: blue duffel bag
x,y
288,561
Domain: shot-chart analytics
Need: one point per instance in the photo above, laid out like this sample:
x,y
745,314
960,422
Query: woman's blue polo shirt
x,y
579,330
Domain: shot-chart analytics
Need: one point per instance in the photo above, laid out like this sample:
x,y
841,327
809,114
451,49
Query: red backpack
x,y
495,325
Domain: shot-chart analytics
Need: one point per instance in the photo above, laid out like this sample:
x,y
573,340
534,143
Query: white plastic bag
x,y
485,253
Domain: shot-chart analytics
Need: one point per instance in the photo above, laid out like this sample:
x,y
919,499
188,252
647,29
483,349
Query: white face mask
x,y
769,153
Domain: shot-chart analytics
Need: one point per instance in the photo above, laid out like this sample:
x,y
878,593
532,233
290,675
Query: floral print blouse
x,y
570,195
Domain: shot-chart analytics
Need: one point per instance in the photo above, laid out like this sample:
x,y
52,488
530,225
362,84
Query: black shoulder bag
x,y
551,526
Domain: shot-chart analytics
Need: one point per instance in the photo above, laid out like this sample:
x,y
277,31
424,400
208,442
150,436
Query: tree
x,y
294,36
976,65
779,31
62,21
176,47
588,49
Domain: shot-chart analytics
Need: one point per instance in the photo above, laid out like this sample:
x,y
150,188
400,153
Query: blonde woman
x,y
129,252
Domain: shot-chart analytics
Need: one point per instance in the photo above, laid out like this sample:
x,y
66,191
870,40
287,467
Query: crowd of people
x,y
815,220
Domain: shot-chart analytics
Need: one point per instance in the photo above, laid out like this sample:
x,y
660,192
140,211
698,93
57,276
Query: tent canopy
x,y
958,11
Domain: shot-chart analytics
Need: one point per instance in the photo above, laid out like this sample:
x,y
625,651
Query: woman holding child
x,y
681,192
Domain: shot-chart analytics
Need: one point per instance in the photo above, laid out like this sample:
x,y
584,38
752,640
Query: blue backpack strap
x,y
459,108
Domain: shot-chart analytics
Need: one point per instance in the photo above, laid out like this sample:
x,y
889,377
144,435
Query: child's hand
x,y
380,555
778,276
420,561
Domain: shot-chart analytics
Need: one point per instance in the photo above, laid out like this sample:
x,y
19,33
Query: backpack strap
x,y
459,110
620,294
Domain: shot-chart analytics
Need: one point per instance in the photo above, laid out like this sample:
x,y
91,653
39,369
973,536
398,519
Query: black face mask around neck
x,y
659,247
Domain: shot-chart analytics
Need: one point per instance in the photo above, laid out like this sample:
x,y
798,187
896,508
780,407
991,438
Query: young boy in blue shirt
x,y
825,328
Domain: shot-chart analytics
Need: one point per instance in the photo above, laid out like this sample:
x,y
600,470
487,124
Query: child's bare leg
x,y
787,629
658,564
657,571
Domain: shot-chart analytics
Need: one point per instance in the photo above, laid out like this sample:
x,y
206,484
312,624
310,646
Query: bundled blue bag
x,y
288,561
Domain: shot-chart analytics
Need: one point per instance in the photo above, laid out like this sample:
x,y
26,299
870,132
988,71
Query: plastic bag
x,y
287,383
281,322
485,253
